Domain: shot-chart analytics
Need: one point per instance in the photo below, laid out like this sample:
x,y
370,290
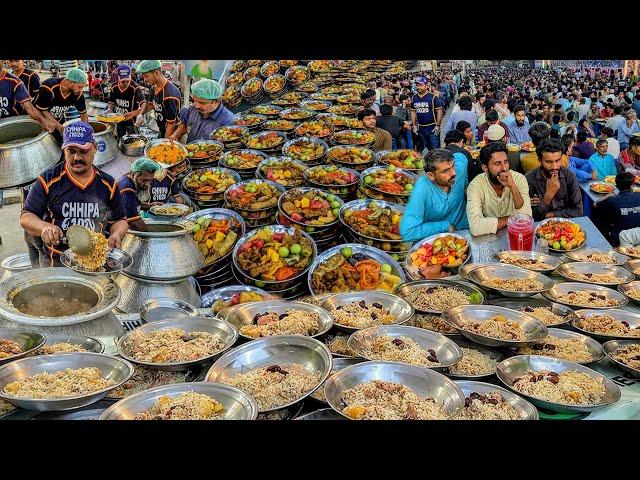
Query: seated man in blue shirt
x,y
602,162
582,168
437,204
616,213
518,125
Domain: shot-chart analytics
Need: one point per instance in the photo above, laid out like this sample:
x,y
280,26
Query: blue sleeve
x,y
128,201
21,94
184,115
36,201
437,102
117,206
175,188
413,226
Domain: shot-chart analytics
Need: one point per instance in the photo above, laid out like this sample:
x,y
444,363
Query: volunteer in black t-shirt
x,y
126,98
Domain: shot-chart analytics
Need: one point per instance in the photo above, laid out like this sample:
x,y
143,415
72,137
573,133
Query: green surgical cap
x,y
149,65
76,75
207,89
144,164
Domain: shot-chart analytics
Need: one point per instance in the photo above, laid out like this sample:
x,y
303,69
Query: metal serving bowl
x,y
312,161
491,353
532,329
566,287
359,205
358,167
625,251
269,162
553,220
627,288
184,210
245,173
14,264
518,303
338,364
465,270
610,347
237,404
595,349
127,149
244,314
116,261
90,344
227,293
369,252
29,342
111,368
447,352
343,191
511,368
412,269
423,381
286,197
525,410
404,173
157,309
581,256
284,349
634,267
227,333
166,141
567,269
398,307
136,291
322,414
633,319
481,275
102,293
470,290
555,262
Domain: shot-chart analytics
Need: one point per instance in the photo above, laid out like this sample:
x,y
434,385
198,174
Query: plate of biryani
x,y
565,345
338,364
550,313
574,294
484,401
433,322
634,267
337,344
496,326
145,378
535,261
606,325
185,401
357,310
510,281
390,391
595,273
69,344
557,385
625,354
438,296
630,251
631,290
402,344
177,344
100,259
277,371
477,361
16,343
606,257
279,317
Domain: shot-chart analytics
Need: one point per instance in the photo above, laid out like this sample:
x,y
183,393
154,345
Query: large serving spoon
x,y
79,240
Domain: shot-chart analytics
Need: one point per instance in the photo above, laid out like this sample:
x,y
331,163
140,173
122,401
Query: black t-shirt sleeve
x,y
116,204
171,107
45,97
138,98
36,201
81,104
34,83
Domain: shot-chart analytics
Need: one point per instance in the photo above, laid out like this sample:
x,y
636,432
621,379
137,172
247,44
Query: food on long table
x,y
187,406
285,172
172,345
145,378
296,114
436,298
602,188
400,349
63,383
498,327
269,68
380,400
338,345
375,222
269,110
49,306
209,181
248,120
215,238
315,105
297,74
202,150
312,207
605,324
599,257
514,284
435,323
264,140
339,121
630,250
251,87
629,355
96,259
570,349
5,407
253,196
446,251
545,314
279,125
568,387
405,158
362,315
9,348
633,293
314,129
275,385
305,150
594,277
275,256
488,406
347,271
274,83
587,298
61,347
528,263
350,155
389,181
473,363
331,175
229,133
168,210
166,153
236,299
354,137
562,235
292,322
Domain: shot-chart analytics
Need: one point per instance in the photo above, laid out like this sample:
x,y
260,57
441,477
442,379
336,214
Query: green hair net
x,y
149,65
144,164
76,75
207,89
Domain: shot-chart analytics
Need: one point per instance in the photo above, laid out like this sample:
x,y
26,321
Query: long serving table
x,y
484,247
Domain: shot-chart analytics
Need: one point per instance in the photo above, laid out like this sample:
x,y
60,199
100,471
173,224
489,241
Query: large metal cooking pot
x,y
26,150
15,264
101,293
135,292
96,108
106,144
165,252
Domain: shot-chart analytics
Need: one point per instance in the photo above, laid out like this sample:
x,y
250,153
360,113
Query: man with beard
x,y
126,99
498,193
382,137
135,189
554,189
164,97
518,125
205,115
368,98
14,97
426,115
30,78
73,193
437,202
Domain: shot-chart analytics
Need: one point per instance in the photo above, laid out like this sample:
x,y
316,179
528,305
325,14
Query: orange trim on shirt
x,y
125,190
156,89
44,185
133,219
57,179
76,182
